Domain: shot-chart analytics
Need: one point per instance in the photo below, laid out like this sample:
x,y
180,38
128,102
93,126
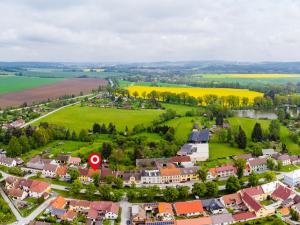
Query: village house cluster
x,y
15,124
247,204
94,211
20,188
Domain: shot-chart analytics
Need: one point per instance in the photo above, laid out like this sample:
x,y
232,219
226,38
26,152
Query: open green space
x,y
10,84
220,150
77,117
183,127
180,109
40,72
6,215
247,124
289,168
125,83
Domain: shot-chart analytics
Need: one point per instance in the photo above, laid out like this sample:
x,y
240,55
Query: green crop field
x,y
10,84
247,124
77,117
247,78
55,73
125,83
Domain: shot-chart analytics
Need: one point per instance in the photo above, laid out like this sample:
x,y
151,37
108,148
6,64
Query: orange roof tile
x,y
164,207
197,221
170,171
58,203
188,207
62,170
284,211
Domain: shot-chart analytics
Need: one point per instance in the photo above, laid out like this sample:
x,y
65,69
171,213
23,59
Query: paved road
x,y
125,215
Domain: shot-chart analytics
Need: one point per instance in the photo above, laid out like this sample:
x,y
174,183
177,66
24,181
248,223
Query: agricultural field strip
x,y
199,92
273,76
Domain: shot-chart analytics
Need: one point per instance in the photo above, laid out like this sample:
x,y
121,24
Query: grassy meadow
x,y
77,117
10,84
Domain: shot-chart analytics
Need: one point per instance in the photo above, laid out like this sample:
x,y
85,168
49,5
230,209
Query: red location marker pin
x,y
95,160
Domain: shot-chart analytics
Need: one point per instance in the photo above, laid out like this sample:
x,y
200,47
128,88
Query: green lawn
x,y
180,109
217,150
247,124
183,127
14,83
51,181
289,168
77,117
125,83
6,215
56,147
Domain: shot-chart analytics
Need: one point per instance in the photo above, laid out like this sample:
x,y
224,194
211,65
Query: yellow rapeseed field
x,y
199,92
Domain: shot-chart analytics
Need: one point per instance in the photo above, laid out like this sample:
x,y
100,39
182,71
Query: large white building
x,y
292,178
197,151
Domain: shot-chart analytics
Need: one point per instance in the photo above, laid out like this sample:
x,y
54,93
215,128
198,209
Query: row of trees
x,y
20,141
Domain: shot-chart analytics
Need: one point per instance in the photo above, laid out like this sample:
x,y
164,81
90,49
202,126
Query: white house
x,y
196,151
292,178
9,162
49,170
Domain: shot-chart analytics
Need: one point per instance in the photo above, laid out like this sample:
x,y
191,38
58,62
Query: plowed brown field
x,y
52,91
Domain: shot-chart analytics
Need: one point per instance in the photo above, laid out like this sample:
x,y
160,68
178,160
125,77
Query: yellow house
x,y
189,174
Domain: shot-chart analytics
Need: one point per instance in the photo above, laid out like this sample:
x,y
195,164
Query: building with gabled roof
x,y
282,193
213,205
49,170
196,151
243,216
6,161
205,220
188,208
221,219
201,136
165,211
258,165
233,201
17,193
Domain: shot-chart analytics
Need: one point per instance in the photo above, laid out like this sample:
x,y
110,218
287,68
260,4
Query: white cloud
x,y
149,30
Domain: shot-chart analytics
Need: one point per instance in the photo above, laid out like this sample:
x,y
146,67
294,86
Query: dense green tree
x,y
106,149
199,189
274,130
257,134
240,165
74,174
76,186
74,136
253,179
241,138
270,176
41,136
271,164
170,135
105,192
170,194
212,189
14,148
202,172
183,192
233,184
96,128
83,135
23,140
90,190
96,179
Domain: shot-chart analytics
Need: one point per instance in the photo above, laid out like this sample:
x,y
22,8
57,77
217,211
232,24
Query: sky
x,y
149,30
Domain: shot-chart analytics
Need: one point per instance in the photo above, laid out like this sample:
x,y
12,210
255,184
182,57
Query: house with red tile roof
x,y
233,201
226,171
108,208
34,188
38,188
183,161
81,206
255,192
165,211
282,193
254,206
243,216
206,220
17,193
58,203
69,215
170,174
188,208
62,173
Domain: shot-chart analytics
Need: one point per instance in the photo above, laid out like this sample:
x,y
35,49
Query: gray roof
x,y
199,136
6,160
212,204
222,218
188,149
